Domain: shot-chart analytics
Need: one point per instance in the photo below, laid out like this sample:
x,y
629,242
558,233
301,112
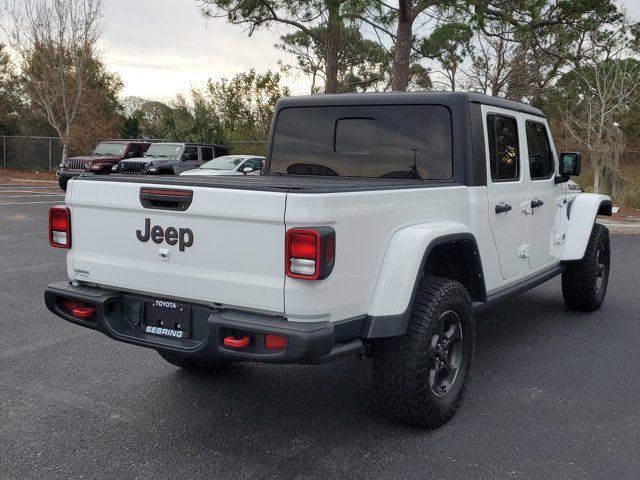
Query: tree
x,y
419,78
10,101
361,64
490,69
553,27
100,114
244,105
239,109
132,105
178,122
144,118
152,116
449,44
302,15
55,41
407,13
596,97
396,23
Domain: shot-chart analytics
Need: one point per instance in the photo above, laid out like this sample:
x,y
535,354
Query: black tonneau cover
x,y
274,183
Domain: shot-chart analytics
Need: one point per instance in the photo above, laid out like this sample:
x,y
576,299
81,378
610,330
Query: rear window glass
x,y
403,141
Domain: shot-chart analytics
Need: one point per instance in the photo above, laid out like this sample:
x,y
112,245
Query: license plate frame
x,y
166,318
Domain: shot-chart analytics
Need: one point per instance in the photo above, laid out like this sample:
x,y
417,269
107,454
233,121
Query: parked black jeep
x,y
171,158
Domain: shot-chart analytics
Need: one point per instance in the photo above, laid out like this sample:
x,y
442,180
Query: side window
x,y
254,163
190,154
135,150
541,163
207,153
221,151
503,148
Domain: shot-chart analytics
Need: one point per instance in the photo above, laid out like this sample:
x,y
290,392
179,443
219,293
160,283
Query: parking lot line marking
x,y
33,181
25,234
29,203
32,195
18,185
29,187
37,266
40,344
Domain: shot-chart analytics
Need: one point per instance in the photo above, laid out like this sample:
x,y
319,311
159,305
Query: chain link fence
x,y
39,154
42,154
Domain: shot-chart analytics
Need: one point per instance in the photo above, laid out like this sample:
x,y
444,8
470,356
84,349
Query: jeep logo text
x,y
183,237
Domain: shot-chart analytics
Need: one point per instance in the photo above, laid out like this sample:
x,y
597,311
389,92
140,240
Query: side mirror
x,y
131,155
246,170
570,163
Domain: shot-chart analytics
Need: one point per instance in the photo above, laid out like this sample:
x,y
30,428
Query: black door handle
x,y
165,198
502,207
536,203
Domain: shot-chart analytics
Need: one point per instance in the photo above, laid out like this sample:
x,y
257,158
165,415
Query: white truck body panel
x,y
509,228
236,258
397,278
544,223
366,224
584,210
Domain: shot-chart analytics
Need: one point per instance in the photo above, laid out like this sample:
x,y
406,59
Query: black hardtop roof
x,y
391,98
124,142
191,144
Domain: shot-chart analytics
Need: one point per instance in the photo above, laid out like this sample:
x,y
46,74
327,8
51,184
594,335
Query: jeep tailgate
x,y
235,257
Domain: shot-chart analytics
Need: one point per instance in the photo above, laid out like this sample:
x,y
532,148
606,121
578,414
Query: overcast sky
x,y
163,47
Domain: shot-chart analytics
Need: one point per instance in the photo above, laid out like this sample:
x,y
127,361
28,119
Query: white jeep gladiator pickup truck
x,y
381,224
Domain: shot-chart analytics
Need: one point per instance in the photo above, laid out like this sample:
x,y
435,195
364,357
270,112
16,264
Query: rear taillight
x,y
310,252
60,227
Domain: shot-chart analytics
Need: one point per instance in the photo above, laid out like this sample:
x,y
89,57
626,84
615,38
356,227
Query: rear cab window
x,y
382,141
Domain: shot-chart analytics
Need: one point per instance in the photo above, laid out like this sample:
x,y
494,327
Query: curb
x,y
32,181
627,228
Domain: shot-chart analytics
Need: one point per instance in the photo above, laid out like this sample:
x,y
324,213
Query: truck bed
x,y
275,183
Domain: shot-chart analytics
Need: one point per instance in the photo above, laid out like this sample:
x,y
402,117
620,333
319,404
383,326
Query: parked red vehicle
x,y
101,161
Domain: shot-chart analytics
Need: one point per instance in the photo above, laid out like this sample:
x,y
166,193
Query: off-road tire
x,y
403,365
584,283
63,183
194,365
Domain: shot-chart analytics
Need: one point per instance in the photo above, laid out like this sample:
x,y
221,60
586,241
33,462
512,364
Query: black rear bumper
x,y
120,316
67,174
64,175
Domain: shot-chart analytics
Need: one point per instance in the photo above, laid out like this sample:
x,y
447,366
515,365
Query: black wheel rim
x,y
601,267
445,353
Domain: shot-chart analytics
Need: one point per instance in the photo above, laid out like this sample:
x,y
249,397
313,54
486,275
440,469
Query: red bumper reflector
x,y
83,312
275,342
234,342
79,309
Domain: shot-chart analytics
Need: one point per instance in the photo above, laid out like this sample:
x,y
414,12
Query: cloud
x,y
160,49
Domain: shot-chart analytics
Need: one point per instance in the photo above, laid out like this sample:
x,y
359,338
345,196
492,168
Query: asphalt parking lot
x,y
554,394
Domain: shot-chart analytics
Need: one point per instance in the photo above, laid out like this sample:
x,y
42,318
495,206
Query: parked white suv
x,y
382,223
230,165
